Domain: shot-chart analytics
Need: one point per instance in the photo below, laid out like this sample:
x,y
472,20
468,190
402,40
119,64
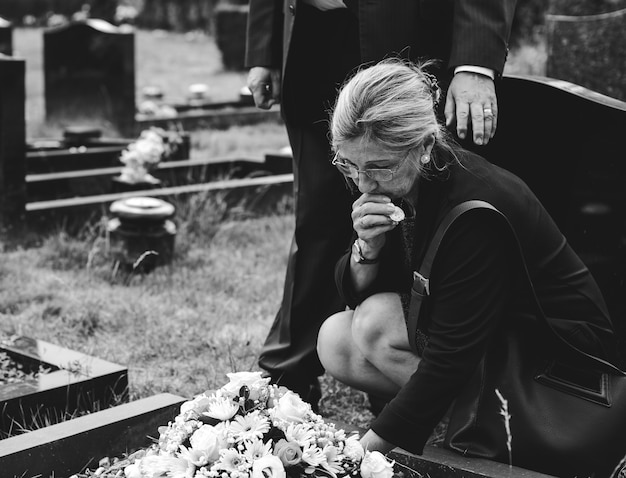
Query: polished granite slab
x,y
73,383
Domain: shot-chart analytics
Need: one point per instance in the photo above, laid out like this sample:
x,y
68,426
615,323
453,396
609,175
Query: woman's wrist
x,y
363,253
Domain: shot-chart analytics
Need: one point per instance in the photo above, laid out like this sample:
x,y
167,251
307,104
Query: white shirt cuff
x,y
476,69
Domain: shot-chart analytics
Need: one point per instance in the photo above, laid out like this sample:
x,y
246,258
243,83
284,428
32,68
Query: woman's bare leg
x,y
368,348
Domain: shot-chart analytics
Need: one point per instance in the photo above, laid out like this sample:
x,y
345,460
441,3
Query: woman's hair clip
x,y
433,86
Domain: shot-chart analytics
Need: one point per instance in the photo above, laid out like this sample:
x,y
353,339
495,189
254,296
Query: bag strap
x,y
421,285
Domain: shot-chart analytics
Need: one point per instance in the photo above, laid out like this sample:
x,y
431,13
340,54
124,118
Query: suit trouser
x,y
319,60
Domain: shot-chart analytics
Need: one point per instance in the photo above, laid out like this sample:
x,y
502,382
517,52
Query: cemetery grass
x,y
178,329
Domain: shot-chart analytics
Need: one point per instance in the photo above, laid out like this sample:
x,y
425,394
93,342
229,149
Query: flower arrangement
x,y
251,429
142,156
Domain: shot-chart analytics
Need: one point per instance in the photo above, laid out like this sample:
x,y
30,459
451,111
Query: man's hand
x,y
471,100
264,84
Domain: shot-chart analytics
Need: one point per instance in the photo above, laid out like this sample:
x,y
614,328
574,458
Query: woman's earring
x,y
425,159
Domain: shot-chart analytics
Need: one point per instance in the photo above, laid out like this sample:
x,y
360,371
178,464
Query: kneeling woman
x,y
389,144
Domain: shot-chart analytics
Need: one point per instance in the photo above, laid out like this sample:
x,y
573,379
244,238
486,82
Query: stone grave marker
x,y
230,33
13,144
588,47
67,448
6,37
74,383
89,75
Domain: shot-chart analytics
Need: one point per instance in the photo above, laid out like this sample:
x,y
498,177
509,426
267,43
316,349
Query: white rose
x,y
353,448
292,408
157,466
239,379
375,465
268,466
199,404
207,440
132,471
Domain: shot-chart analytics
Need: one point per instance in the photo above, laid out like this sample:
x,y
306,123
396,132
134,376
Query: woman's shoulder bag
x,y
528,409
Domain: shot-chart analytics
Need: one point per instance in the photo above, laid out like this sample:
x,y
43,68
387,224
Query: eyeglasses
x,y
351,171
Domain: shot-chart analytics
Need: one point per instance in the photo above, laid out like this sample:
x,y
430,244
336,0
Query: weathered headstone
x,y
6,37
586,44
89,74
230,33
12,144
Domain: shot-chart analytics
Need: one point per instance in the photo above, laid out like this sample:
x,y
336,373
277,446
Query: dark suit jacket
x,y
459,32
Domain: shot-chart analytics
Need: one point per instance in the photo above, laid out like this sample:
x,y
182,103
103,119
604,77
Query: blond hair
x,y
391,103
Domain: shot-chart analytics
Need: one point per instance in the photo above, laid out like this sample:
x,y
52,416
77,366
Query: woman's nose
x,y
365,183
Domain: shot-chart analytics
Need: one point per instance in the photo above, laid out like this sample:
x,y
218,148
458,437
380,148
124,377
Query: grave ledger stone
x,y
89,75
13,143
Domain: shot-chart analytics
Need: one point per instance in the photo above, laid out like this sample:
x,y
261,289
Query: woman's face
x,y
369,155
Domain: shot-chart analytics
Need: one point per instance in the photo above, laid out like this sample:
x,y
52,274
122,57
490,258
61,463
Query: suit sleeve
x,y
264,34
480,34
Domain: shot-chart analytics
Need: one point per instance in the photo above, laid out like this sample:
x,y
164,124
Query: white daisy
x,y
250,426
230,461
255,449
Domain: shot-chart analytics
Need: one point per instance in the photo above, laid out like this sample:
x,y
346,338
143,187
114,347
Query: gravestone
x,y
89,75
12,144
6,37
74,383
586,45
575,167
230,33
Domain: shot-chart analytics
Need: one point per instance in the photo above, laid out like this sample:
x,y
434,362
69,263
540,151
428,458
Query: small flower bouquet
x,y
142,156
251,429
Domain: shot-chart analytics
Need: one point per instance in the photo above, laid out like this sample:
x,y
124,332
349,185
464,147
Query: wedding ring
x,y
488,111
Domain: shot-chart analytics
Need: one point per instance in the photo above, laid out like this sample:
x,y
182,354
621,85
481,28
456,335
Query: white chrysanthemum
x,y
313,456
231,461
333,460
301,433
250,426
255,449
221,408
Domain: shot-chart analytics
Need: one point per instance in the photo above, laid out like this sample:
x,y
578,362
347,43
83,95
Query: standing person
x,y
299,52
389,144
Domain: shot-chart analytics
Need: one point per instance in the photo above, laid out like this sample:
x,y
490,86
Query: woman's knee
x,y
371,323
333,337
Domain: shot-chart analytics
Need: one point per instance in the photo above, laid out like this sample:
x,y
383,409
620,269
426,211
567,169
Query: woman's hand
x,y
370,220
373,442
